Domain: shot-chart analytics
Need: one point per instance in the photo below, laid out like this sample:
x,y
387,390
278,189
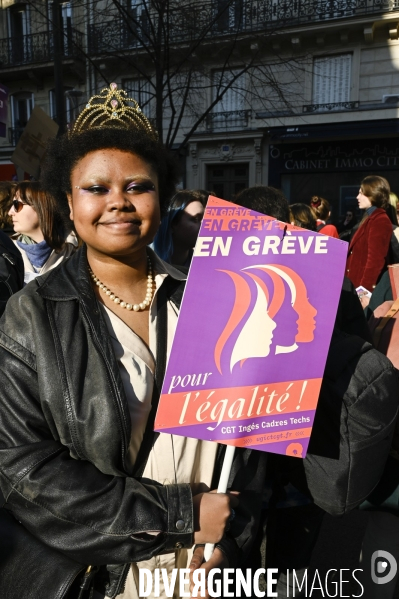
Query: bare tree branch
x,y
192,57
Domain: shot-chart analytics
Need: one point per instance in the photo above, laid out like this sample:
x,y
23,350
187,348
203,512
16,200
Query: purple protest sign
x,y
253,332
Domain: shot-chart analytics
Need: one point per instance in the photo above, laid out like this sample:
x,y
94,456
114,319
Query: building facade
x,y
303,96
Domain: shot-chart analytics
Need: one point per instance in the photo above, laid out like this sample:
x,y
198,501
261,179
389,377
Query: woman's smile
x,y
121,224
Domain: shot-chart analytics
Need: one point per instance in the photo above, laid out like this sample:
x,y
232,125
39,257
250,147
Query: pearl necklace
x,y
136,307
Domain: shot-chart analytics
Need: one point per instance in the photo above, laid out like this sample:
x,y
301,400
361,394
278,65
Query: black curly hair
x,y
266,200
64,153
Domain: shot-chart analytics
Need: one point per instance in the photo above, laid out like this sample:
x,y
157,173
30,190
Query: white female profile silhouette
x,y
256,335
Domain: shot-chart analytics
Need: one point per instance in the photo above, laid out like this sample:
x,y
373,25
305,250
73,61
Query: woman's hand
x,y
211,515
217,560
364,300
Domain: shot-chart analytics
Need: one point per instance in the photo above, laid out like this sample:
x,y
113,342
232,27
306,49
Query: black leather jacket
x,y
11,270
64,435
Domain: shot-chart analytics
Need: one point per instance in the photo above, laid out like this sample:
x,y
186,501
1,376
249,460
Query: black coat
x,y
11,270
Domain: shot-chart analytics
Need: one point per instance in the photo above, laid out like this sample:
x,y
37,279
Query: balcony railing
x,y
232,119
331,107
117,34
37,48
220,17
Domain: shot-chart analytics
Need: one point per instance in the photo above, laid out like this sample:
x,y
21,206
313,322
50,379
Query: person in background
x,y
369,249
302,216
39,229
176,237
394,200
266,200
345,226
391,209
11,270
322,210
6,194
383,291
393,257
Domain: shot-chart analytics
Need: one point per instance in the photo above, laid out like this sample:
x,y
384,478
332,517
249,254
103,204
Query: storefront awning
x,y
379,128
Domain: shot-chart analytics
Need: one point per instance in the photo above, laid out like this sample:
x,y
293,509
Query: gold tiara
x,y
112,108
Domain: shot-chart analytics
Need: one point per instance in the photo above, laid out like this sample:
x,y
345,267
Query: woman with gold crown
x,y
83,351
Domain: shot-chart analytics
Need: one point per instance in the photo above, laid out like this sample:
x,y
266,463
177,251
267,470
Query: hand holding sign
x,y
222,488
212,512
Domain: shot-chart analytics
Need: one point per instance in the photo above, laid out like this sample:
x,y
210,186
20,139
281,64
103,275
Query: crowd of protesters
x,y
83,347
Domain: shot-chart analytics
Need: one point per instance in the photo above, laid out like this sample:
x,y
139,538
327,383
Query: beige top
x,y
173,459
55,258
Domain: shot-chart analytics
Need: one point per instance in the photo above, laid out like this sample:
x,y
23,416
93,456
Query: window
x,y
229,15
66,25
18,20
19,29
66,15
230,111
140,90
136,8
69,109
332,79
226,181
234,97
136,22
21,108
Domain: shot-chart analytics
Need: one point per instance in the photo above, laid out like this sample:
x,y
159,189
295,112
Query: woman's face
x,y
114,202
185,230
26,221
363,201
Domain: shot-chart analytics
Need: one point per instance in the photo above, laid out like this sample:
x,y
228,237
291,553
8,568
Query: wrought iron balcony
x,y
222,17
117,34
37,48
232,119
331,107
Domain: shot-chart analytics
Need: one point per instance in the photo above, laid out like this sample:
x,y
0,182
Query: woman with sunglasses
x,y
39,229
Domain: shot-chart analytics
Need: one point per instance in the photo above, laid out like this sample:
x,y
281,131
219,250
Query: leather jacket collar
x,y
72,281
